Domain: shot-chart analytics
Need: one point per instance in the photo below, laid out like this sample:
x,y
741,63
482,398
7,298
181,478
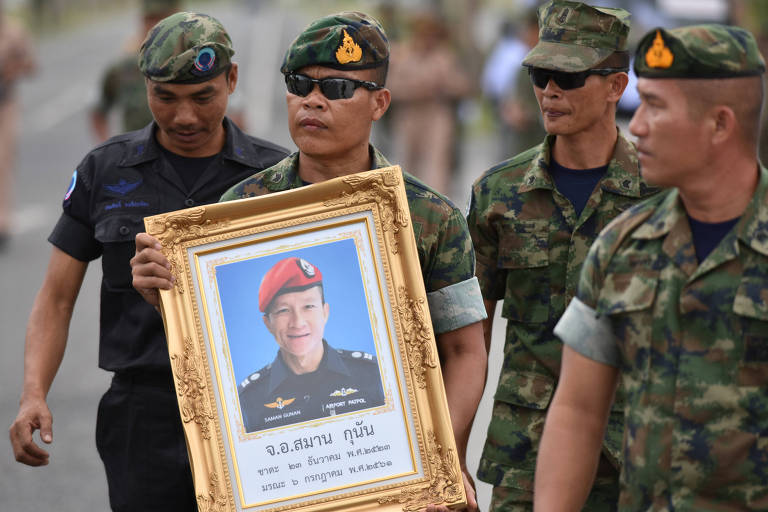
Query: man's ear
x,y
618,83
381,98
232,78
724,124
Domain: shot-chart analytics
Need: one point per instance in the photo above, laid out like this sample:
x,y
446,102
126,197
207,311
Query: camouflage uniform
x,y
123,88
688,337
442,240
530,245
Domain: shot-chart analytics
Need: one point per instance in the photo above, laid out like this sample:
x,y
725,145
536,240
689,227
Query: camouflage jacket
x,y
692,344
123,88
443,242
530,247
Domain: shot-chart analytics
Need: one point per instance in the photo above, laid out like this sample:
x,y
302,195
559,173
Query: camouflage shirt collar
x,y
752,229
285,174
145,147
622,176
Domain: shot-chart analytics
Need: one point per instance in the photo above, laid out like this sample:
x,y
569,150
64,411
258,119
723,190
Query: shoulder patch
x,y
356,354
254,377
72,185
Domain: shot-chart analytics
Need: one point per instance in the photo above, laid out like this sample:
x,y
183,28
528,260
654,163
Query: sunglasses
x,y
332,88
541,77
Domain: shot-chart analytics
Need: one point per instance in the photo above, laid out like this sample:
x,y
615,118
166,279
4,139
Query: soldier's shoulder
x,y
357,357
258,183
113,151
422,197
509,171
255,380
620,228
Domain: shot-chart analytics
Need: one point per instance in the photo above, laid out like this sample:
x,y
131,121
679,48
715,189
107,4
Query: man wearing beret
x,y
188,155
533,218
673,297
308,378
335,72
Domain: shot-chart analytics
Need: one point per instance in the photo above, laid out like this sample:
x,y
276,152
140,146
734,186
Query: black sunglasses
x,y
332,88
541,77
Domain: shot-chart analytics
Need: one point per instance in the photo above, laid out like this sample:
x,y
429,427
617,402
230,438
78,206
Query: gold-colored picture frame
x,y
383,444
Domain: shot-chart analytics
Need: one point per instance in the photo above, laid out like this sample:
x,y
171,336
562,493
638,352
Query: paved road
x,y
54,137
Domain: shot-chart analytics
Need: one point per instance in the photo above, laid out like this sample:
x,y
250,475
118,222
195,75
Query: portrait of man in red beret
x,y
308,378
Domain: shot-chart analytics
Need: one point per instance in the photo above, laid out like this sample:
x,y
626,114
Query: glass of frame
x,y
370,428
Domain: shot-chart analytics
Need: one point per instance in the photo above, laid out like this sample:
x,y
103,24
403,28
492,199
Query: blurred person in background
x,y
17,60
427,82
122,85
518,109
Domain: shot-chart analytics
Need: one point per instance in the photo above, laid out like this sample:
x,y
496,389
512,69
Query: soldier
x,y
532,220
122,86
335,72
188,156
308,379
17,60
672,296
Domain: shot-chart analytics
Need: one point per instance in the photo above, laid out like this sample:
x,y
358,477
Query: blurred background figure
x,y
506,85
122,86
427,82
17,60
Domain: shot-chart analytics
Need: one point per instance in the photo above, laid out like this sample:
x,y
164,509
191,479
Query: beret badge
x,y
658,55
306,267
348,51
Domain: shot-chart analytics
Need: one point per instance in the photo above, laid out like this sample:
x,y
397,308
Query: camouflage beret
x,y
185,48
157,7
698,51
286,276
346,41
574,36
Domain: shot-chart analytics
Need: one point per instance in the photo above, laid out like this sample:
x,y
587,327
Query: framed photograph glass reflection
x,y
303,354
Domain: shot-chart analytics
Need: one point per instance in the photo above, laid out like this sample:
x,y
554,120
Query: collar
x,y
622,176
285,174
145,148
331,361
752,228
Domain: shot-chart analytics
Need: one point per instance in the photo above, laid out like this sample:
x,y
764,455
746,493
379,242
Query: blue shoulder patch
x,y
71,186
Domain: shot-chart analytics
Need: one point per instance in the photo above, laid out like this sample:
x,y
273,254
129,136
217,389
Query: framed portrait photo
x,y
305,365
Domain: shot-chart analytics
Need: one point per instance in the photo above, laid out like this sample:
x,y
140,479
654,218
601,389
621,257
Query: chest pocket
x,y
117,235
524,255
752,308
628,298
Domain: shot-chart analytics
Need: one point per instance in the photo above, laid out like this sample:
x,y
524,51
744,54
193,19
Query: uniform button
x,y
627,183
124,230
189,201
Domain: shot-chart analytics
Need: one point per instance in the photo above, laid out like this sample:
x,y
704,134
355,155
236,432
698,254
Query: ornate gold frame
x,y
380,195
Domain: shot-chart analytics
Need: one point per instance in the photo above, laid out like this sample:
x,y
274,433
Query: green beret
x,y
185,48
158,7
698,51
574,36
347,40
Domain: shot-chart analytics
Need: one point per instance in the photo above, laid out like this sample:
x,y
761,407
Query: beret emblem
x,y
348,51
205,59
658,55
